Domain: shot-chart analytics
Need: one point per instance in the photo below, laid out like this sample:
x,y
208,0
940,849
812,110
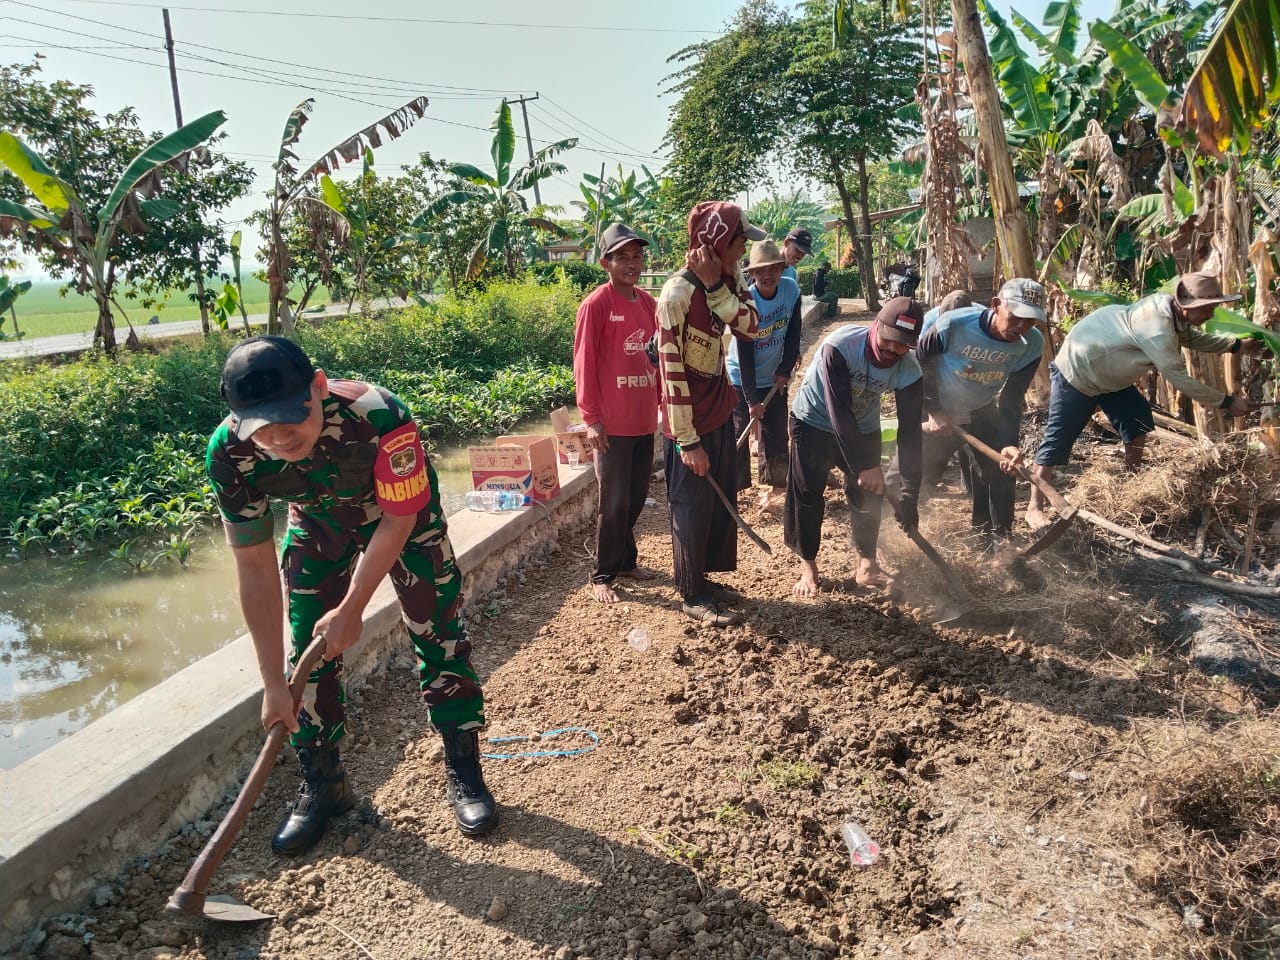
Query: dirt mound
x,y
1062,785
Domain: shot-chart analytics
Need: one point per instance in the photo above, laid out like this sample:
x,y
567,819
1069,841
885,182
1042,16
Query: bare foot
x,y
638,573
870,574
809,582
1036,518
604,593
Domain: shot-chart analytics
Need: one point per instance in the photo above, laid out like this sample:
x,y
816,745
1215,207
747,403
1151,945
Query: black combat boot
x,y
472,802
324,793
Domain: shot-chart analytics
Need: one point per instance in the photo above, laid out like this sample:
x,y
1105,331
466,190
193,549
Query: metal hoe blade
x,y
230,910
755,538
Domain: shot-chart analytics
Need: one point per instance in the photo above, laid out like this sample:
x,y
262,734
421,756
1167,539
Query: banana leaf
x,y
157,155
1093,298
1233,323
27,165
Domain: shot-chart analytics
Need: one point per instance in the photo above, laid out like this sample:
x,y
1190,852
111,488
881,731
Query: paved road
x,y
66,343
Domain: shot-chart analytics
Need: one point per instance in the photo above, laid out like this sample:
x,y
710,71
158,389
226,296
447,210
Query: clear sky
x,y
598,69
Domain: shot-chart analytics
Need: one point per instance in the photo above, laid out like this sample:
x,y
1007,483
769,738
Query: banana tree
x,y
58,219
9,294
499,196
291,190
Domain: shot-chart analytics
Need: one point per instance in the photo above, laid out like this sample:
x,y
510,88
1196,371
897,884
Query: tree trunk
x,y
867,277
275,275
105,332
1012,233
864,234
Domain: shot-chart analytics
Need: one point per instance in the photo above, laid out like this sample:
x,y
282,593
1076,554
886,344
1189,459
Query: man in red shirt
x,y
617,388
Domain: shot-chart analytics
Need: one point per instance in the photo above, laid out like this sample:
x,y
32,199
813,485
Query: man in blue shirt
x,y
835,421
978,363
758,366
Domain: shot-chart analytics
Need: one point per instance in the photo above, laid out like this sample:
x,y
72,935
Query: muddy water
x,y
80,636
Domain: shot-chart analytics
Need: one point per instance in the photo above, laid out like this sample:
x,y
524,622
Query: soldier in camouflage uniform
x,y
363,502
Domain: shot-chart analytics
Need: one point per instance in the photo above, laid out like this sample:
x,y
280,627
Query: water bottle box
x,y
522,464
570,437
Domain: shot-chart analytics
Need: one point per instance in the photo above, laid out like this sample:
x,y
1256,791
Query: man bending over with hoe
x,y
835,421
1107,352
363,502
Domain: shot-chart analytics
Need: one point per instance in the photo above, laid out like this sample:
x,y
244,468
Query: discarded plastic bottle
x,y
494,501
862,849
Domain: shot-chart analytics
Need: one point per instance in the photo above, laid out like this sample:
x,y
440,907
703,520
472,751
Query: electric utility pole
x,y
177,112
537,194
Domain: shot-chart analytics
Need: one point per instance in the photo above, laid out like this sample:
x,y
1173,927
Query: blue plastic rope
x,y
595,742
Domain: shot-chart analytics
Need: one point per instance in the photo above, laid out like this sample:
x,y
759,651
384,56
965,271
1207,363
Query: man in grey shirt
x,y
1107,352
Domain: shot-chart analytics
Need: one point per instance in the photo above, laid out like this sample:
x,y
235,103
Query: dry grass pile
x,y
1168,497
1208,818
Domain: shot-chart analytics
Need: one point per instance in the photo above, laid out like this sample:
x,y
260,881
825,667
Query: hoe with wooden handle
x,y
746,431
1066,511
189,899
954,583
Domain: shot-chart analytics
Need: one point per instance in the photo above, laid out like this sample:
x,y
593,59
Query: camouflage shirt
x,y
368,461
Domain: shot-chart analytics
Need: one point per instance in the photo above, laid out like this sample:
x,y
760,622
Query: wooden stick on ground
x,y
1247,557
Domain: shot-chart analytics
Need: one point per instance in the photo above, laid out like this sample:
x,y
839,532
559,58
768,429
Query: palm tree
x,y
500,196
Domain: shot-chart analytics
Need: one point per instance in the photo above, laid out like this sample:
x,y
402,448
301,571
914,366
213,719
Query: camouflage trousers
x,y
429,585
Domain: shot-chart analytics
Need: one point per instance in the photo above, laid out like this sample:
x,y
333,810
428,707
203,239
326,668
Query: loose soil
x,y
1056,781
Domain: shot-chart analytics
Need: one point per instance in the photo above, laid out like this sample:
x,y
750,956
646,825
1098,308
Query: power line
x,y
402,87
376,19
573,116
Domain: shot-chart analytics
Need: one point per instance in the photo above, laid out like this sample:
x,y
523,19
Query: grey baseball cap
x,y
1024,298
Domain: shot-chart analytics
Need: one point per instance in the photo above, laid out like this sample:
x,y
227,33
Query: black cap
x,y
616,235
901,319
801,238
266,380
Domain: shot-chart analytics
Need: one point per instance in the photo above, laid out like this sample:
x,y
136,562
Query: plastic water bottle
x,y
494,501
862,849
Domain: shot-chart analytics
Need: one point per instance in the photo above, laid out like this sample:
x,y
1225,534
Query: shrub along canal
x,y
80,635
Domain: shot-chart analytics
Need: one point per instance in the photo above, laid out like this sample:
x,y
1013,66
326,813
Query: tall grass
x,y
98,448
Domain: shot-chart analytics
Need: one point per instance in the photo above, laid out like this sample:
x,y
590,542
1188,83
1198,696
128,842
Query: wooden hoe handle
x,y
189,898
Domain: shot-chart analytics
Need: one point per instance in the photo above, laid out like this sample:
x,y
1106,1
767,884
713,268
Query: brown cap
x,y
1201,290
901,319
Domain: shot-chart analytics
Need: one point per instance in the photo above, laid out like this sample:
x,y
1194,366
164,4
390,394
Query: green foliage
x,y
582,275
1236,324
727,118
842,283
108,172
778,216
498,199
96,449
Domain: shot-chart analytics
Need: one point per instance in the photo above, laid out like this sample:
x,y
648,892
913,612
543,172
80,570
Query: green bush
x,y
97,448
844,283
585,276
804,277
841,283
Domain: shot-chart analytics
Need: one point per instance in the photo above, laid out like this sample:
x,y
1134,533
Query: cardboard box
x,y
525,464
570,437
